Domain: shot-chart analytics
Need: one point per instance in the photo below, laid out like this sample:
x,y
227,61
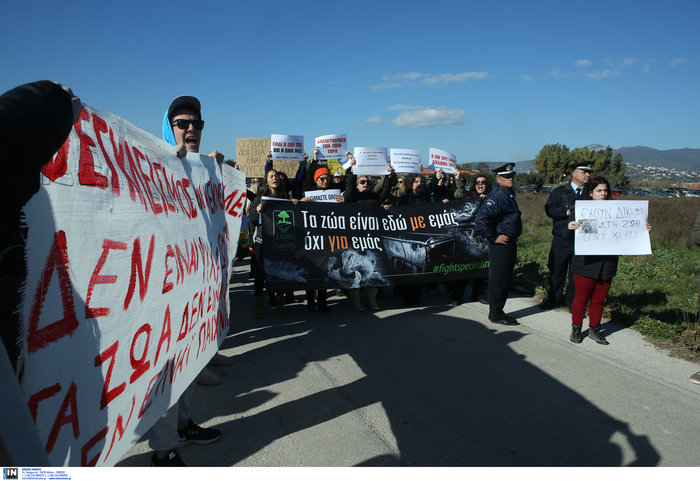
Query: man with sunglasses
x,y
561,252
182,127
498,220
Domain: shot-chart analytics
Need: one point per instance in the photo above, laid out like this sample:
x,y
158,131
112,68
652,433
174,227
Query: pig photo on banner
x,y
320,245
129,252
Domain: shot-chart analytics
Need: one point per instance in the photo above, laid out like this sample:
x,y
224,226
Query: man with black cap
x,y
182,127
561,252
499,221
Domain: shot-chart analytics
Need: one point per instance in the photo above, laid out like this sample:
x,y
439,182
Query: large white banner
x,y
287,147
405,161
129,252
612,227
442,159
370,161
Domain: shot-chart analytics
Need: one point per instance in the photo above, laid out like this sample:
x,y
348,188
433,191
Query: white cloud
x,y
629,62
374,120
416,79
583,63
528,77
404,107
600,74
676,62
419,119
579,122
556,73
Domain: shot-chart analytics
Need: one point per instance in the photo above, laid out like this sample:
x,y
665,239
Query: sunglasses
x,y
480,182
324,179
184,124
400,181
363,181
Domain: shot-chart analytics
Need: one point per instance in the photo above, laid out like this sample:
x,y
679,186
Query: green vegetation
x,y
656,294
553,161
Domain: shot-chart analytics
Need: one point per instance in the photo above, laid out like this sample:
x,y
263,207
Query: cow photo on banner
x,y
322,245
129,252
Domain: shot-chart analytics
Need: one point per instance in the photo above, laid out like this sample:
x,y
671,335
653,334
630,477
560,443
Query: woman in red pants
x,y
592,275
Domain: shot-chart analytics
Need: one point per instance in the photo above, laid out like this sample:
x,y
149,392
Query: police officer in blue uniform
x,y
562,250
498,220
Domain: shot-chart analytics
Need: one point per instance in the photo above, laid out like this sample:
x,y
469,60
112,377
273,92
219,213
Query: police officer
x,y
560,254
498,220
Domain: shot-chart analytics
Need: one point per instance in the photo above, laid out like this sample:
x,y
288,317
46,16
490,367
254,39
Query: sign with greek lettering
x,y
327,195
442,159
406,161
612,227
332,146
318,245
128,253
287,147
370,161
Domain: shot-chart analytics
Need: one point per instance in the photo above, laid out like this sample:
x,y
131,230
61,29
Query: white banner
x,y
287,147
126,298
612,227
332,146
370,161
405,161
327,195
441,159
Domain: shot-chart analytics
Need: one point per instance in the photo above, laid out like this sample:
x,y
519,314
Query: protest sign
x,y
332,146
318,245
251,155
287,147
405,161
441,159
612,227
370,161
128,254
327,195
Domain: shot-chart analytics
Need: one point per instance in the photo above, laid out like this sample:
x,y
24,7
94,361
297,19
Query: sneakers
x,y
594,333
695,378
575,334
197,434
171,460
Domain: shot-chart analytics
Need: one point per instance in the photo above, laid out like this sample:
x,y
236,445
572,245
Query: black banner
x,y
314,245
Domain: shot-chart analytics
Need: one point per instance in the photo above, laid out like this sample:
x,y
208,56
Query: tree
x,y
483,168
553,162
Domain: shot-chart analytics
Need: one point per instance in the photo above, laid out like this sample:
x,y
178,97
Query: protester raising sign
x,y
319,245
332,146
370,161
441,159
126,298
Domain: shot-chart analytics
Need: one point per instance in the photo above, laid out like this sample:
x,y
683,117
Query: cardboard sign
x,y
251,155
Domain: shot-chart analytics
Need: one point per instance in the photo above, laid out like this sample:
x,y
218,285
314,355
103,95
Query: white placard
x,y
370,161
331,146
405,161
129,252
327,195
612,227
442,159
287,147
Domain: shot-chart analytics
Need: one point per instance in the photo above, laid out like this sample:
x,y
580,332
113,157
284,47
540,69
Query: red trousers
x,y
593,290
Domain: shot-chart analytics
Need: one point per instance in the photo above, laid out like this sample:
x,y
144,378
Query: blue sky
x,y
488,81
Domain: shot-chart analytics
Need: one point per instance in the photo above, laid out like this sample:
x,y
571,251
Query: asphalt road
x,y
438,386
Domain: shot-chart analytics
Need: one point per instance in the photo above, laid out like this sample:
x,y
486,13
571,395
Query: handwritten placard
x,y
332,146
442,159
287,147
405,160
612,227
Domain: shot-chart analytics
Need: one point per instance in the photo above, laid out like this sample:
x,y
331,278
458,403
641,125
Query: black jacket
x,y
499,214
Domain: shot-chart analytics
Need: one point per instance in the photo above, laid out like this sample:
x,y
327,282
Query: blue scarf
x,y
168,135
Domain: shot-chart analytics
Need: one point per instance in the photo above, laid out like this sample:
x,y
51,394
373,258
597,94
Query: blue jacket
x,y
558,203
499,214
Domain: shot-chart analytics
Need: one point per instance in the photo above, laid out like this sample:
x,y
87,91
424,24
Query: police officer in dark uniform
x,y
562,251
498,220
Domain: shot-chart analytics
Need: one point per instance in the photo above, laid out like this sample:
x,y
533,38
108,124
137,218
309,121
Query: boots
x,y
259,311
372,298
355,300
575,333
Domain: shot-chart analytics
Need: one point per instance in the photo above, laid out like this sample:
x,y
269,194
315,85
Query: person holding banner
x,y
358,191
592,274
498,220
182,127
271,187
